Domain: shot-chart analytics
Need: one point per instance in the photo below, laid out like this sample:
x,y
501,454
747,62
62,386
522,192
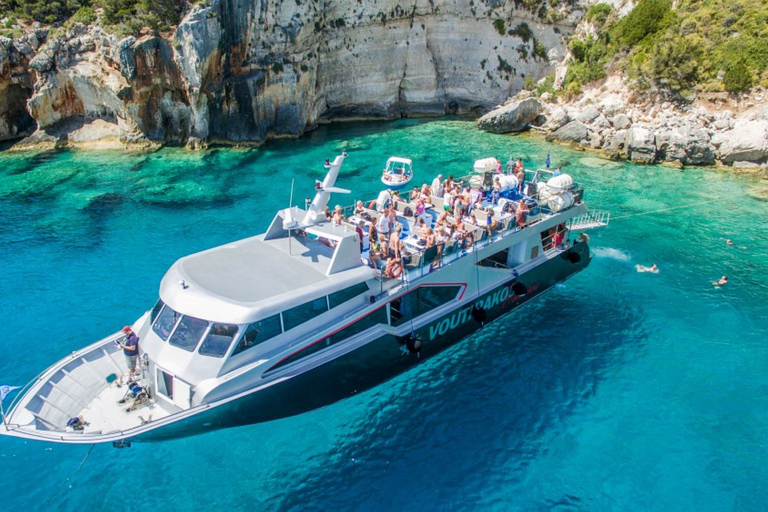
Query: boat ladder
x,y
591,219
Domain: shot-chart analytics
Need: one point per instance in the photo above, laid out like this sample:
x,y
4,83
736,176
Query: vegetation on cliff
x,y
676,49
123,16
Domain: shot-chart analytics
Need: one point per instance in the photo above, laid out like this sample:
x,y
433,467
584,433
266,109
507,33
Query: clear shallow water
x,y
616,390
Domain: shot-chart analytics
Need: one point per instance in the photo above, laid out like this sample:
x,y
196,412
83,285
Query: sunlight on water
x,y
616,390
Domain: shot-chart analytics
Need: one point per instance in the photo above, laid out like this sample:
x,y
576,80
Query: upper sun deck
x,y
264,274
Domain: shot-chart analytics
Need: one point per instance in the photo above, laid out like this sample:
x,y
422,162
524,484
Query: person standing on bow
x,y
130,348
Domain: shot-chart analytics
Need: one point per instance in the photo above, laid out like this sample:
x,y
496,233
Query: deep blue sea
x,y
617,390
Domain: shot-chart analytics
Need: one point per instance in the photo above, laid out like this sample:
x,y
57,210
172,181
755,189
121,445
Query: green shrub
x,y
84,15
738,77
645,19
539,50
598,13
499,26
523,31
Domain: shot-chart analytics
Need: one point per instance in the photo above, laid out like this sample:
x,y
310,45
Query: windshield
x,y
188,333
165,323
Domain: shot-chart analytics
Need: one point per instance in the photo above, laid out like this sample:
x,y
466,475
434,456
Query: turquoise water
x,y
617,390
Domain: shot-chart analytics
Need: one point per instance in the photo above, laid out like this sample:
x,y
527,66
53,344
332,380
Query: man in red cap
x,y
130,348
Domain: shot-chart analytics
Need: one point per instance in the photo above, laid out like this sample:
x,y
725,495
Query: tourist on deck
x,y
382,224
395,197
520,175
360,233
511,165
437,186
338,216
558,171
521,215
130,347
449,183
394,241
384,200
392,219
557,240
421,207
430,238
374,249
359,207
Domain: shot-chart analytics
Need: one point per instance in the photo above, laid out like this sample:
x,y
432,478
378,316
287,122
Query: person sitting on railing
x,y
420,229
430,238
359,208
491,224
414,195
395,197
521,214
374,249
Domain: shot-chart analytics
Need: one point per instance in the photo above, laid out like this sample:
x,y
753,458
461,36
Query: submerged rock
x,y
514,117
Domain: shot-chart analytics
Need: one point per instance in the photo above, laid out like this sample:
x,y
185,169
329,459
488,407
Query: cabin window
x,y
259,332
218,340
498,260
379,316
420,301
346,294
155,310
165,323
300,314
187,335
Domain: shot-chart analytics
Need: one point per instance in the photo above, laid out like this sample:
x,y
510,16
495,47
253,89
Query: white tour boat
x,y
295,318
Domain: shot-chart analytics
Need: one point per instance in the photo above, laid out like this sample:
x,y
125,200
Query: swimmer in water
x,y
729,242
653,269
722,282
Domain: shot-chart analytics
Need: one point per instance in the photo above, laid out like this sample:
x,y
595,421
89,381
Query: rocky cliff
x,y
242,71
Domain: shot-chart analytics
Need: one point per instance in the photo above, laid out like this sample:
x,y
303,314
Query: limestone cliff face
x,y
16,86
243,71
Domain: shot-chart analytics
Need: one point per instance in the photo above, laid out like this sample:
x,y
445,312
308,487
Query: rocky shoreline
x,y
663,133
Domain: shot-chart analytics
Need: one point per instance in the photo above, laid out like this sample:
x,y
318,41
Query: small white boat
x,y
398,172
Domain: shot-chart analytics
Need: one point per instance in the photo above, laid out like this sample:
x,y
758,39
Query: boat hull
x,y
381,359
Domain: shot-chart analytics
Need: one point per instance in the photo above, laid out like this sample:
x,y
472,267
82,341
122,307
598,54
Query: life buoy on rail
x,y
395,270
412,343
467,241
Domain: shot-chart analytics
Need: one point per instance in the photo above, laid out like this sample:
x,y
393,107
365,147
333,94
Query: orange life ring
x,y
467,241
395,270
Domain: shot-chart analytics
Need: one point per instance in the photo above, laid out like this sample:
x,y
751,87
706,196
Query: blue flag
x,y
548,161
4,390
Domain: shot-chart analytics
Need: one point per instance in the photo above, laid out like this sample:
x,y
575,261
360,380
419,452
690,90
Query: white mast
x,y
324,190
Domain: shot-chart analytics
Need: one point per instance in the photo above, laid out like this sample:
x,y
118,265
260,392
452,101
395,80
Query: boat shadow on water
x,y
489,406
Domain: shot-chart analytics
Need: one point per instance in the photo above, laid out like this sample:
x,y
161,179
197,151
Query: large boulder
x,y
587,115
514,117
575,131
621,122
641,146
698,149
748,141
556,117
